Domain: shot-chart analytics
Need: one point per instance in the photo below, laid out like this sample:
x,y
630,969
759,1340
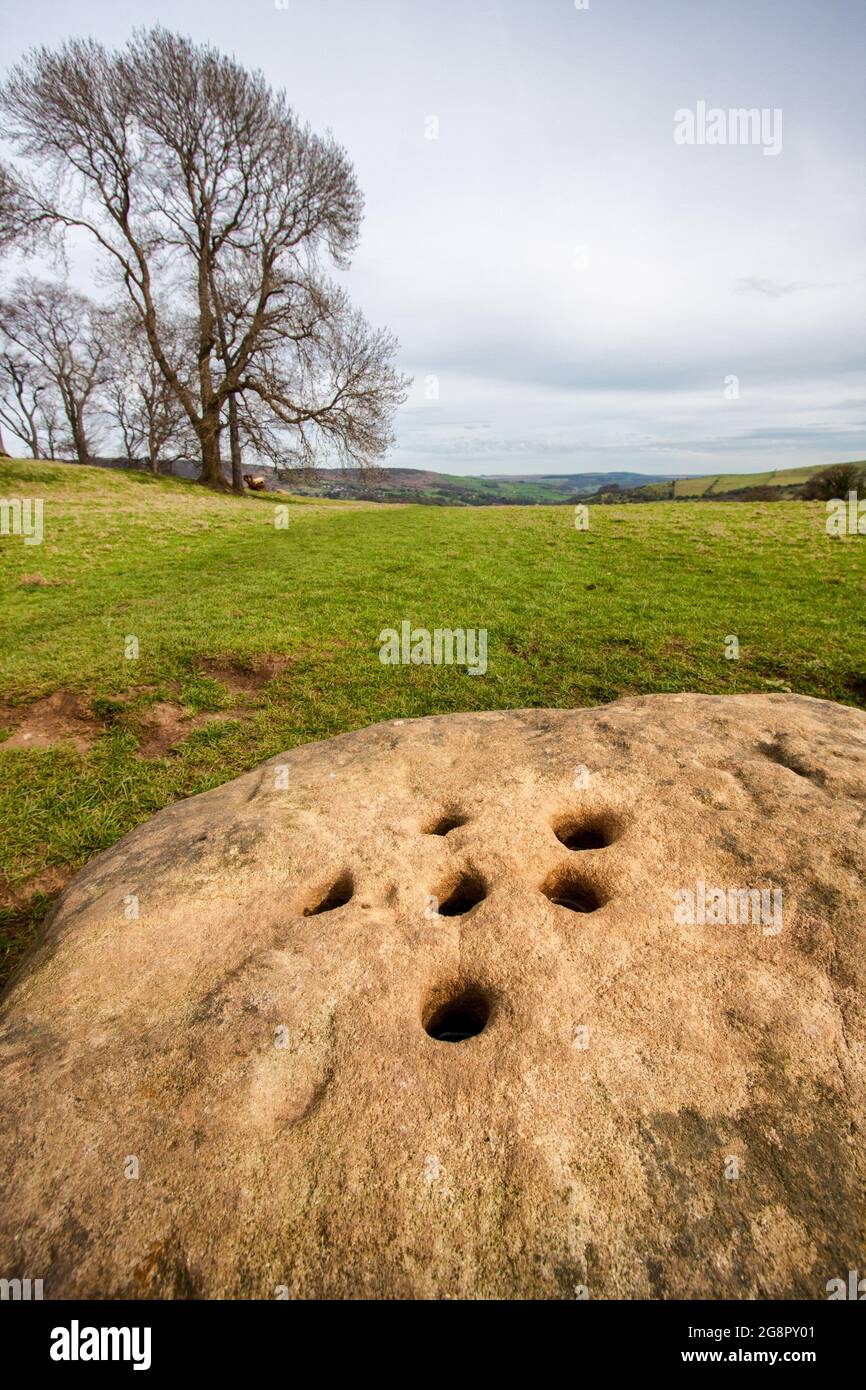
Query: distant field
x,y
253,639
728,482
717,484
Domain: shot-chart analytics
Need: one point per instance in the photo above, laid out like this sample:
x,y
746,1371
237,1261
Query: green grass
x,y
640,602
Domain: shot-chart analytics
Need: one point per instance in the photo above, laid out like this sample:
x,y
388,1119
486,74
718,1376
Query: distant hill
x,y
524,489
445,489
776,484
448,489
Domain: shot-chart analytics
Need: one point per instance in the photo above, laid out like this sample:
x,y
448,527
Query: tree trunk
x,y
152,451
76,425
211,460
81,448
235,441
210,426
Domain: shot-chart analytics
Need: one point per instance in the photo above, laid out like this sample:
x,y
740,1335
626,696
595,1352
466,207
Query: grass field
x,y
252,639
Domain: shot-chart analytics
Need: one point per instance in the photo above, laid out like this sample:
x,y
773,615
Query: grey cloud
x,y
556,134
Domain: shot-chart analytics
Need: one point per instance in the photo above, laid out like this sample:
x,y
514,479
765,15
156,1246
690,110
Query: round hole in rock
x,y
444,824
576,833
339,893
569,891
462,896
457,1019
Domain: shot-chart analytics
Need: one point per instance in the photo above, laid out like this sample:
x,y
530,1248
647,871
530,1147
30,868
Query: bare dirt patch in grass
x,y
242,676
64,718
59,718
165,725
38,581
49,882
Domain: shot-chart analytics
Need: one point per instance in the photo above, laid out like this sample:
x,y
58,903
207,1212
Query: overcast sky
x,y
577,287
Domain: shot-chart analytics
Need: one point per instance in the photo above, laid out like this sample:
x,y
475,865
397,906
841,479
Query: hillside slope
x,y
785,482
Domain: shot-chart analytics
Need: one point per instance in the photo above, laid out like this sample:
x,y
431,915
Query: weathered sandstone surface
x,y
449,1008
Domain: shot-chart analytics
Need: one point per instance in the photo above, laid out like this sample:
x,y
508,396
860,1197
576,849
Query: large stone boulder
x,y
542,1003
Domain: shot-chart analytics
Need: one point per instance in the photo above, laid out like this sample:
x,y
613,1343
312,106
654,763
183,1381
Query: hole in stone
x,y
576,832
462,896
458,1018
794,760
337,895
567,890
444,824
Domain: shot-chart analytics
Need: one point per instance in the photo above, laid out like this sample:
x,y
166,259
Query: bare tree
x,y
137,401
12,204
197,180
320,384
59,334
28,402
10,227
